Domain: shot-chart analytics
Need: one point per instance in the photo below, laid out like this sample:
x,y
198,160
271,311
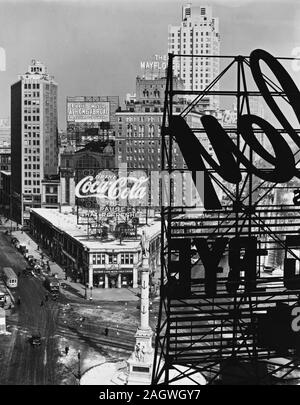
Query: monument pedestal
x,y
2,321
140,362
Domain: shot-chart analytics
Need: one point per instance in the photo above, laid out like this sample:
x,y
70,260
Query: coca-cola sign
x,y
138,188
123,189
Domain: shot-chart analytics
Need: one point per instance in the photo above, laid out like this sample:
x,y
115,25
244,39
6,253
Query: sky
x,y
94,47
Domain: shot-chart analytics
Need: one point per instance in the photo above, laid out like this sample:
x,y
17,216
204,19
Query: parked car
x,y
29,271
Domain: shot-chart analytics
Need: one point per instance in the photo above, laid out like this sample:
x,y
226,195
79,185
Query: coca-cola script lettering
x,y
128,189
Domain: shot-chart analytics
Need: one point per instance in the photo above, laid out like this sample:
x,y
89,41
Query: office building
x,y
138,135
33,138
197,34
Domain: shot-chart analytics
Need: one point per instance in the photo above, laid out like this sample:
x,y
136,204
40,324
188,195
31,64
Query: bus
x,y
9,277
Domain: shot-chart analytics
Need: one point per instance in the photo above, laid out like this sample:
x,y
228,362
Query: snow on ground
x,y
69,363
100,375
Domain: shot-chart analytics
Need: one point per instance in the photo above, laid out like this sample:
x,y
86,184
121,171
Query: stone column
x,y
140,362
62,199
119,285
145,299
2,321
72,191
90,271
135,277
105,280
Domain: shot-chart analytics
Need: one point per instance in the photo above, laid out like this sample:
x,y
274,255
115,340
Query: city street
x,y
80,326
25,364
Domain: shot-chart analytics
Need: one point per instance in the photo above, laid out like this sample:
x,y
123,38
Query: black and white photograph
x,y
149,196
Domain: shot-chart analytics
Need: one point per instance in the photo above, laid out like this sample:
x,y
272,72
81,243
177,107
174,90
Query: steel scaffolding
x,y
218,336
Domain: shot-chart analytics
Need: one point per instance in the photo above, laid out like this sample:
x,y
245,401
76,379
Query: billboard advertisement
x,y
88,111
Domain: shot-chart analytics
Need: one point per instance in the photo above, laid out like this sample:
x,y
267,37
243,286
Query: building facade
x,y
91,118
197,34
95,155
33,138
138,134
4,132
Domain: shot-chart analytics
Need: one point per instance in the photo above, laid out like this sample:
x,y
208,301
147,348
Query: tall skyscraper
x,y
197,34
33,138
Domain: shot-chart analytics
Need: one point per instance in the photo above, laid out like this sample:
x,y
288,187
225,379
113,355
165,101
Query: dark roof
x,y
97,146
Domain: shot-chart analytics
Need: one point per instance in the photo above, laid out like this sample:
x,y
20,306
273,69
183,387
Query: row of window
x,y
29,182
142,150
32,190
31,102
131,142
29,126
34,86
33,94
207,51
34,118
51,199
34,142
142,119
152,158
125,258
30,174
202,33
140,166
32,110
28,166
28,150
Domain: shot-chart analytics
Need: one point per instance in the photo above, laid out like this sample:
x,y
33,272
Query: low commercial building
x,y
93,260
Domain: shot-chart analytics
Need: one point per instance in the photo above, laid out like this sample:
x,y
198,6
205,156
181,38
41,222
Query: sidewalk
x,y
76,290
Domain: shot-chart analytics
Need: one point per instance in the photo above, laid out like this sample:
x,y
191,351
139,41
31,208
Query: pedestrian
x,y
19,301
42,303
106,331
46,298
66,350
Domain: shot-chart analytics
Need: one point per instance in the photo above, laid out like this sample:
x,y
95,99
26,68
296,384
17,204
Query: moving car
x,y
52,285
35,340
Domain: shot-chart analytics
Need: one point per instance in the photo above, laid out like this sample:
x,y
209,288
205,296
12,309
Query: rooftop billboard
x,y
88,111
